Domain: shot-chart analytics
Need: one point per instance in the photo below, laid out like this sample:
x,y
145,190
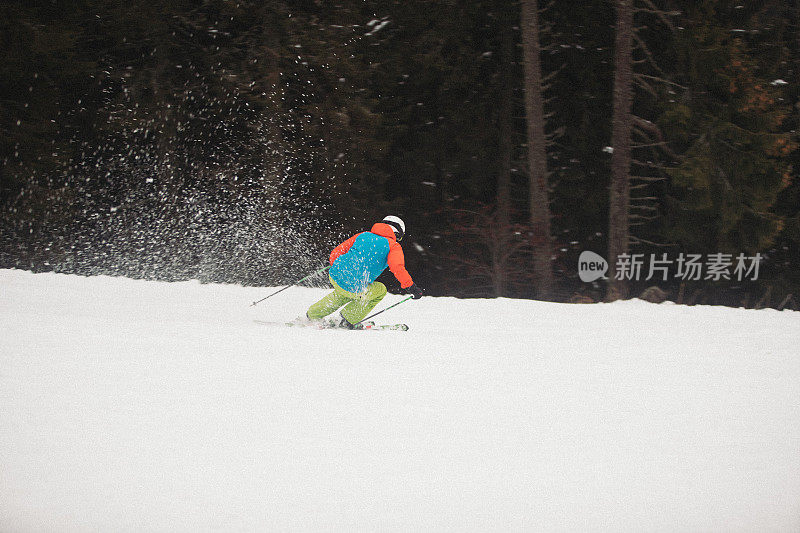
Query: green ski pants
x,y
356,305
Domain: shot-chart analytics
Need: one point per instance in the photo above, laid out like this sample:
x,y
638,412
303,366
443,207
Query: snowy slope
x,y
139,406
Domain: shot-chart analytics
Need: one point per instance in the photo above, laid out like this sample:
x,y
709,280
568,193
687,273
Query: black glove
x,y
413,290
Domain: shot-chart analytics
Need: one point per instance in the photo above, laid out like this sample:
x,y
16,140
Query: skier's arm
x,y
397,264
343,248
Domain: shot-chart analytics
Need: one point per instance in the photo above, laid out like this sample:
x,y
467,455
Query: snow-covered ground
x,y
139,406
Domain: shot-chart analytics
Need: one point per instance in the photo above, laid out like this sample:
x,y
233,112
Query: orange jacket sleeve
x,y
397,264
342,248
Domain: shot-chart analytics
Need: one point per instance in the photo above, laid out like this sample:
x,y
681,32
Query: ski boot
x,y
345,324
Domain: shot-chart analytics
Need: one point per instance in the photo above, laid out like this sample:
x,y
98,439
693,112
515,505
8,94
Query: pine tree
x,y
731,126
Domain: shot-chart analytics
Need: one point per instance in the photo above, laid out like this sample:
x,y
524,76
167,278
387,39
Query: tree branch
x,y
639,240
662,80
546,79
660,13
641,44
653,129
648,178
648,164
647,145
644,85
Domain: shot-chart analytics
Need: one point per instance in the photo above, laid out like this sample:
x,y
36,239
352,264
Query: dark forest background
x,y
239,141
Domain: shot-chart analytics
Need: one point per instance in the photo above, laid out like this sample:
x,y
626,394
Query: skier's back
x,y
355,264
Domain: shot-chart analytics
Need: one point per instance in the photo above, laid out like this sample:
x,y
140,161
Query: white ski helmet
x,y
397,225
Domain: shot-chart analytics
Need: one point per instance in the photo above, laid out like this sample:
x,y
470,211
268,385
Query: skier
x,y
355,264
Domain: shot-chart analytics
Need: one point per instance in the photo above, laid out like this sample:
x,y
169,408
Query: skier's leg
x,y
327,305
356,310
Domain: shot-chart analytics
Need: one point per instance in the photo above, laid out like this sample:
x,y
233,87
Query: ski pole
x,y
379,312
292,285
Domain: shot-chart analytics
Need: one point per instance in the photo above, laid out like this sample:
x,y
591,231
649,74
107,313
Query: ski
x,y
394,327
332,325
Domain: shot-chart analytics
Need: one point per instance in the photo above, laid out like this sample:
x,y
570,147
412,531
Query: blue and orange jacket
x,y
359,260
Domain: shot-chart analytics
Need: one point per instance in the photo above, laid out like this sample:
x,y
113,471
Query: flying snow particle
x,y
378,28
779,82
609,149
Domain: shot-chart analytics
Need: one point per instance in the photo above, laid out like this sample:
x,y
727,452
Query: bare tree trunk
x,y
537,155
505,147
619,196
